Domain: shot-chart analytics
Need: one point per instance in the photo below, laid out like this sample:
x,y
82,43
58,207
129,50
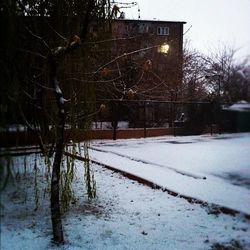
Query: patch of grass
x,y
232,245
213,209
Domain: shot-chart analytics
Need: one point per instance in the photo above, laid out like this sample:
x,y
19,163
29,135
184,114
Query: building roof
x,y
241,106
147,20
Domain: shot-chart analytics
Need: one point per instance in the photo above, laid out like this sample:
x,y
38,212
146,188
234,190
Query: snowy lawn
x,y
129,215
215,169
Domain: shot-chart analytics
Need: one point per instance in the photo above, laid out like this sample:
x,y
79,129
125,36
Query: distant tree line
x,y
219,76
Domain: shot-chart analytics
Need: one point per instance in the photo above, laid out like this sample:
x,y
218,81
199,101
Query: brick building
x,y
152,66
154,50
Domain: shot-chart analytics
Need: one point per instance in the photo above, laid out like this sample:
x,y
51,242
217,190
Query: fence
x,y
175,117
135,119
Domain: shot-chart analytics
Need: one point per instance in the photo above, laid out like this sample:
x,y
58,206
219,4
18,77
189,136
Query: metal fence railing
x,y
193,117
139,118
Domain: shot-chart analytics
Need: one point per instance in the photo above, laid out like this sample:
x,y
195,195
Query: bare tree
x,y
225,75
38,68
193,86
215,77
53,70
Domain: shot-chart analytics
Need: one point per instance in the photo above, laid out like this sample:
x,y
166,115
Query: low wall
x,y
80,135
21,138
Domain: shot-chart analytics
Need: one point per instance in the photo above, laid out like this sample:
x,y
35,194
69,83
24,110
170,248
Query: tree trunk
x,y
56,56
55,180
55,189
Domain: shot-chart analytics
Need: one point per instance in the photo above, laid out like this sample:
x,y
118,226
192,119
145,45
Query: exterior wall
x,y
9,139
133,35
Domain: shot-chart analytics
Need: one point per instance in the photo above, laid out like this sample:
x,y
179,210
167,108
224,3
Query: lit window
x,y
162,31
164,48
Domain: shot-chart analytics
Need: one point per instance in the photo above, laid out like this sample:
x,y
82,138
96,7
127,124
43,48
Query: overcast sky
x,y
213,21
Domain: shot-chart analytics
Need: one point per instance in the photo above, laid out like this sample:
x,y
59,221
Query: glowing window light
x,y
164,48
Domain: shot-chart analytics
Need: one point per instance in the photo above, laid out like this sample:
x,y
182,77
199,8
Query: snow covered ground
x,y
215,169
129,215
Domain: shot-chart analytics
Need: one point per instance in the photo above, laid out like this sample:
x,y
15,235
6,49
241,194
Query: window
x,y
162,31
163,49
143,28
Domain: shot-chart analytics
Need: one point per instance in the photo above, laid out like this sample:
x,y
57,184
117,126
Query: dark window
x,y
162,31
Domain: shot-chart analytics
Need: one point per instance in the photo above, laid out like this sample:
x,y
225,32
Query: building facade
x,y
153,52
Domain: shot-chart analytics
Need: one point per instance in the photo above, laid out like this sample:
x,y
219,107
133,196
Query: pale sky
x,y
213,22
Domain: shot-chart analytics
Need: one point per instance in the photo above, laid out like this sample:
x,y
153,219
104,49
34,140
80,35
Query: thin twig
x,y
187,30
56,32
39,137
33,53
38,37
113,40
96,81
125,55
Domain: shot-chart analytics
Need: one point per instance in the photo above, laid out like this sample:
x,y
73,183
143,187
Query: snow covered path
x,y
195,157
125,215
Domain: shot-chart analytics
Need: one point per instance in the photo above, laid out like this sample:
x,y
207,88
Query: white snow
x,y
222,159
128,215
